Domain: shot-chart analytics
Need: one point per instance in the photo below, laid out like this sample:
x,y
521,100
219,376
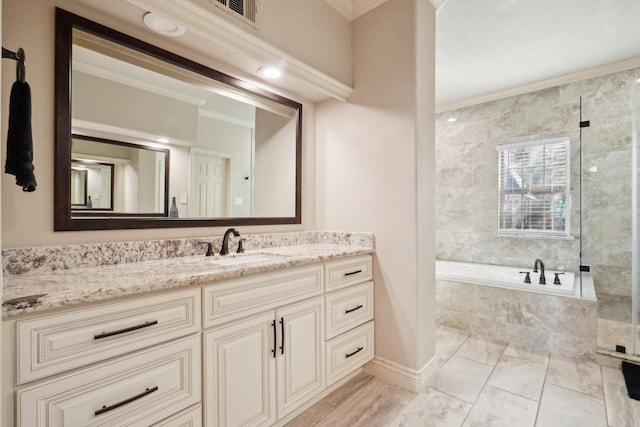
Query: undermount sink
x,y
240,259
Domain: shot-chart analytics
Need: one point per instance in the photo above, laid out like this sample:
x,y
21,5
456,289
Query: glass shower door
x,y
608,207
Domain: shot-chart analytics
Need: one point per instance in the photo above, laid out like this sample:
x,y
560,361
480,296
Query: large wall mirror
x,y
124,108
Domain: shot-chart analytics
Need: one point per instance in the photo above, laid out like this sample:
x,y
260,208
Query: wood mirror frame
x,y
64,220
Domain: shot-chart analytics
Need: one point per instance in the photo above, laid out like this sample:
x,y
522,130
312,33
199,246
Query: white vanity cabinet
x,y
260,368
253,350
133,361
349,316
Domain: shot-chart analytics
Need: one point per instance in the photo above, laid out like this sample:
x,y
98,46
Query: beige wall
x,y
375,168
28,217
273,148
295,26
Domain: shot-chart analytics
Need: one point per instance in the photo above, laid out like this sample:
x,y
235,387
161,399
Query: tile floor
x,y
484,382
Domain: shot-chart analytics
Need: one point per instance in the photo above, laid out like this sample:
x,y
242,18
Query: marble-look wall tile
x,y
466,180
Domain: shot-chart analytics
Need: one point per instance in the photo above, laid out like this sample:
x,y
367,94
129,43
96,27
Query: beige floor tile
x,y
483,350
622,411
560,407
498,408
519,376
432,408
575,374
527,353
448,341
460,377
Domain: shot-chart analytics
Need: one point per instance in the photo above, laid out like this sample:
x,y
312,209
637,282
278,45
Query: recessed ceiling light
x,y
270,72
163,140
162,25
452,120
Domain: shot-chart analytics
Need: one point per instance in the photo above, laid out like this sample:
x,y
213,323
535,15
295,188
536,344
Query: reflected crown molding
x,y
223,33
353,9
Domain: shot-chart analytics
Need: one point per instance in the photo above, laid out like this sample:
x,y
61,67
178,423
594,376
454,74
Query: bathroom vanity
x,y
217,342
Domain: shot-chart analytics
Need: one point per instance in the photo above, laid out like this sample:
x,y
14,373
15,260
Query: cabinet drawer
x,y
349,351
56,343
136,390
346,272
237,298
191,417
348,308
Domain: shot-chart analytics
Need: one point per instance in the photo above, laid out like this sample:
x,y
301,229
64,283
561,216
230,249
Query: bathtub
x,y
507,277
493,301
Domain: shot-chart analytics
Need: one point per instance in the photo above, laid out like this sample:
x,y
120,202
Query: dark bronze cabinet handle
x,y
275,338
122,331
353,272
282,331
353,309
346,356
124,402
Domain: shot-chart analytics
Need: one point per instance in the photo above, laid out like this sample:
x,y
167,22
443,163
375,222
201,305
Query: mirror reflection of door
x,y
78,186
210,184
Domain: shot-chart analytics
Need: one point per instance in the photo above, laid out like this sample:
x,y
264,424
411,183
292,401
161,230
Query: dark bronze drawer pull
x,y
124,402
353,272
282,332
346,356
122,331
353,309
275,338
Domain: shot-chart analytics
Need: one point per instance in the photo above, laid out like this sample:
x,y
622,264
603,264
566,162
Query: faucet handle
x,y
240,248
556,280
527,278
209,248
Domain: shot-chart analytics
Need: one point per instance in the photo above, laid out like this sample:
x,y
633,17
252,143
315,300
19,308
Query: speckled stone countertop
x,y
42,289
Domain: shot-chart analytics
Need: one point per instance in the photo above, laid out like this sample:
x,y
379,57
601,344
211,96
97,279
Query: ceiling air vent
x,y
245,9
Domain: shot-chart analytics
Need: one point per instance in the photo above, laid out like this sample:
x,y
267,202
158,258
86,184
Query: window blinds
x,y
534,187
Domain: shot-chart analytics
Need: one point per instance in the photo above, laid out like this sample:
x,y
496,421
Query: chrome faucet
x,y
225,240
543,280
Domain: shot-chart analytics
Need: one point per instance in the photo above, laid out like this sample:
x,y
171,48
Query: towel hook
x,y
20,57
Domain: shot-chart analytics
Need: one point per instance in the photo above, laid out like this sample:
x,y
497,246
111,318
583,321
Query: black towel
x,y
631,374
19,137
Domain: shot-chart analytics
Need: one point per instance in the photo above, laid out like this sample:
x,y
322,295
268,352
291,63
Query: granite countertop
x,y
39,291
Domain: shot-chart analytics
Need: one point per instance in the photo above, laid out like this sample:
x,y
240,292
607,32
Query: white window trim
x,y
538,233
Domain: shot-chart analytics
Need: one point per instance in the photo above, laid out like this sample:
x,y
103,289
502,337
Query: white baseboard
x,y
402,376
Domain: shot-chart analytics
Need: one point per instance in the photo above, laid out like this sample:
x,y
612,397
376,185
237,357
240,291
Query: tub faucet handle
x,y
556,280
527,278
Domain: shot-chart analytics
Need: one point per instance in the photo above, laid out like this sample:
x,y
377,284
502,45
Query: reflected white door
x,y
209,182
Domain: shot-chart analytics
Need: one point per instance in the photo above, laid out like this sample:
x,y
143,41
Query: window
x,y
534,187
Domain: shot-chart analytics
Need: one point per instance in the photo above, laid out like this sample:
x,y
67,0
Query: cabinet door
x,y
240,373
300,354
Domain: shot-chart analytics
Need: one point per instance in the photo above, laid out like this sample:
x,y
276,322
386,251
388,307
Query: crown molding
x,y
353,9
219,31
615,67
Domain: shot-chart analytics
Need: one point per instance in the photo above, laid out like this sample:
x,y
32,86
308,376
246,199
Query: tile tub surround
x,y
44,289
554,323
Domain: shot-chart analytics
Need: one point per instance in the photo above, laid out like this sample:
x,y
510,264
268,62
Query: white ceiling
x,y
488,46
485,48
